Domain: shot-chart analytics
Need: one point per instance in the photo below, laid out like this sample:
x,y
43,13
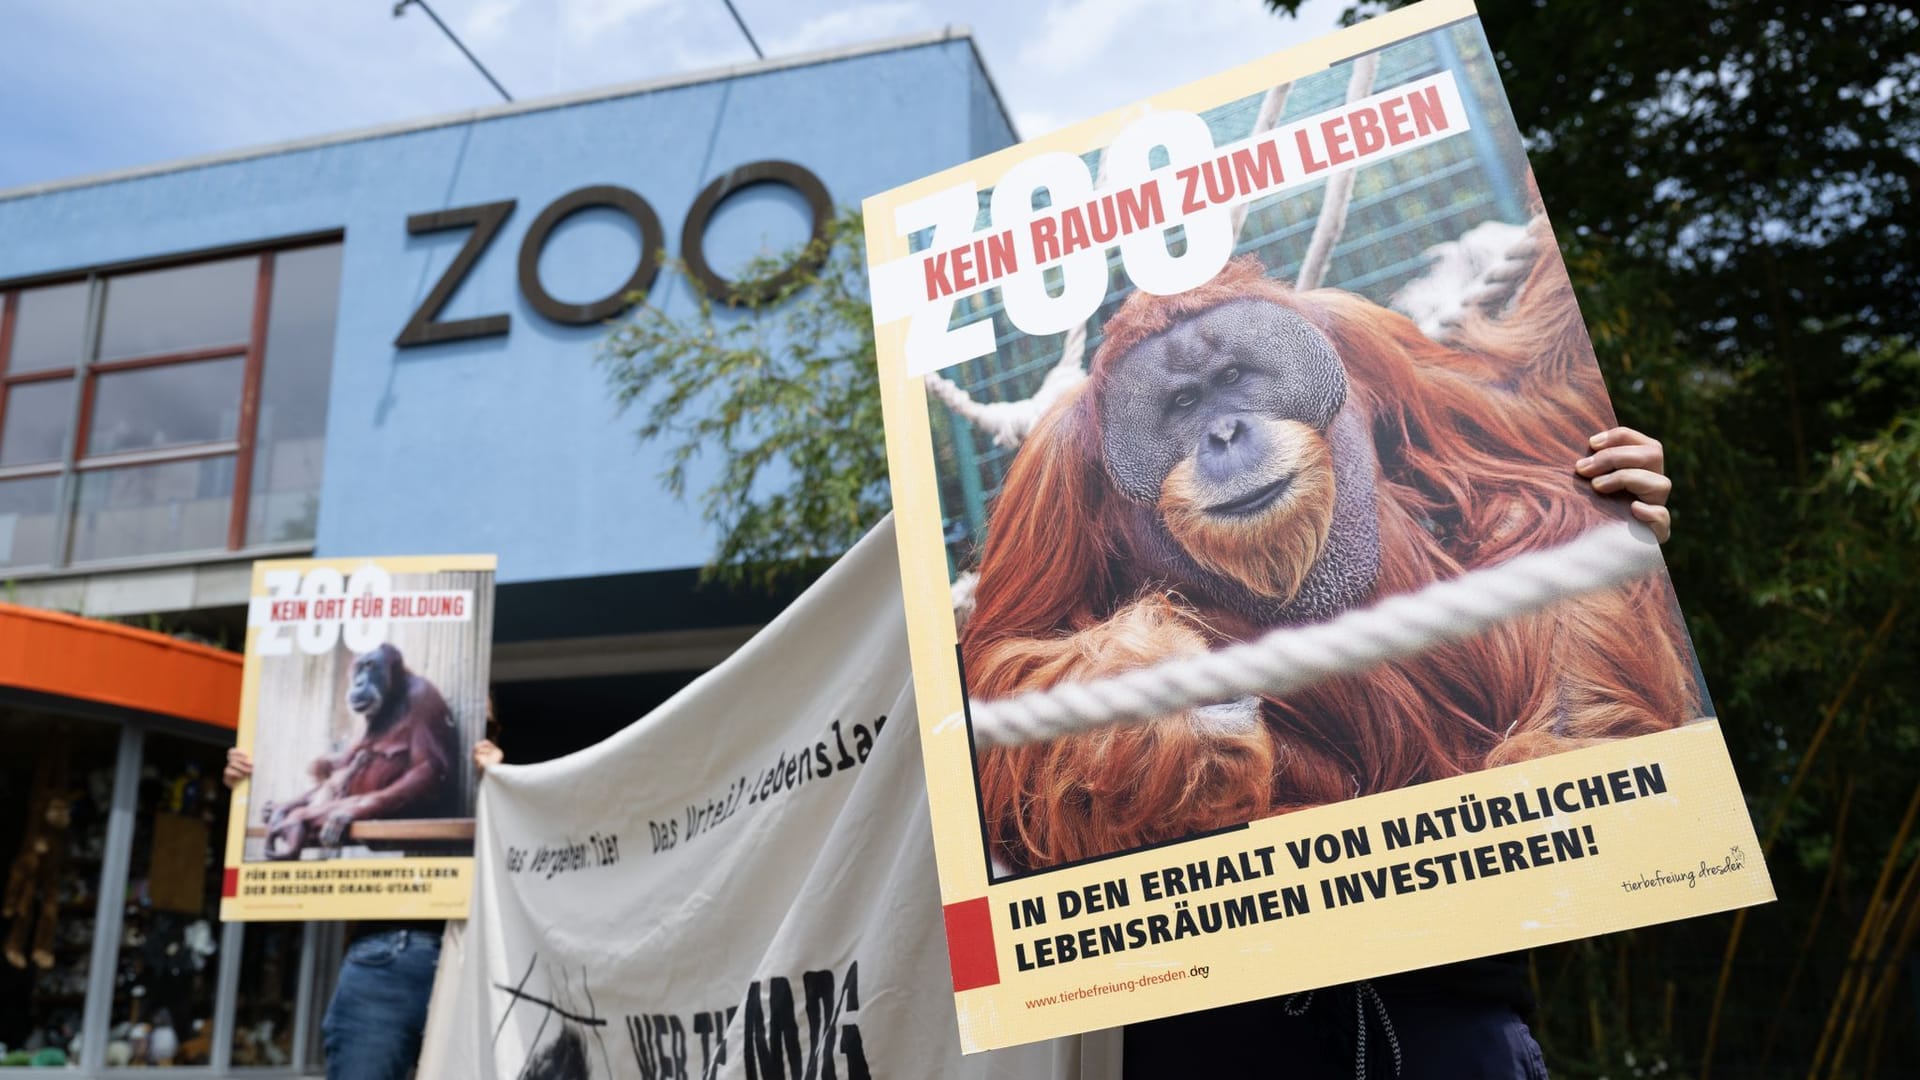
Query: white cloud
x,y
1081,30
1032,122
487,22
587,20
862,23
222,74
1080,58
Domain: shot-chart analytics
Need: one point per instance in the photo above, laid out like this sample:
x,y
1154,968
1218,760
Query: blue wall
x,y
511,444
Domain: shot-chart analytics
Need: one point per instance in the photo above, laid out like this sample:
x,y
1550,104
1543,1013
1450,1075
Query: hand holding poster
x,y
1264,634
364,692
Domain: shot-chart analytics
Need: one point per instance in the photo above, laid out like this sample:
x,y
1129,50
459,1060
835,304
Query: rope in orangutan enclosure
x,y
1289,659
1008,423
1294,657
1339,197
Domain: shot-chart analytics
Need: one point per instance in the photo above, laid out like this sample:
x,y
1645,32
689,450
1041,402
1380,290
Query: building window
x,y
176,411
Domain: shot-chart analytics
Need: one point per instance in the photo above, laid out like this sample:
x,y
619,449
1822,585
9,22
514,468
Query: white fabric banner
x,y
740,884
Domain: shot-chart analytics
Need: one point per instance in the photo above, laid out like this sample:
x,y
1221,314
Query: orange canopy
x,y
68,656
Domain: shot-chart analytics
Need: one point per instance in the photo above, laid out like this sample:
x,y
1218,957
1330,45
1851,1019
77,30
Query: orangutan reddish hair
x,y
1246,456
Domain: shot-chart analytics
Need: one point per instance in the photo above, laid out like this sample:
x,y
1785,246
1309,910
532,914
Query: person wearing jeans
x,y
378,1012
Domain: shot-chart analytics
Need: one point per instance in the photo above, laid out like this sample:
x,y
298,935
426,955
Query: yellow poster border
x,y
449,880
1578,899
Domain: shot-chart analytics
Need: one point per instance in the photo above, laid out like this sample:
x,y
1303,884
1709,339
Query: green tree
x,y
779,393
1734,183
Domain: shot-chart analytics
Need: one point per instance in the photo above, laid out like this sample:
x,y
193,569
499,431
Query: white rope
x,y
1481,272
1333,209
1289,659
1008,423
962,592
1271,107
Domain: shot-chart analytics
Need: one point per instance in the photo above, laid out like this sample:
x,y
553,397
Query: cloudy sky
x,y
104,84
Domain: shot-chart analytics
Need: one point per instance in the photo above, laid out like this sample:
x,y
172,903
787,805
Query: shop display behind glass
x,y
164,981
43,977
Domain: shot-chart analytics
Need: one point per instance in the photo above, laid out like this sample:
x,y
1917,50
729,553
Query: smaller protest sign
x,y
365,689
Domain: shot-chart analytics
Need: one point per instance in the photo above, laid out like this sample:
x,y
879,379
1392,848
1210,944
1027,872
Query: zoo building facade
x,y
378,343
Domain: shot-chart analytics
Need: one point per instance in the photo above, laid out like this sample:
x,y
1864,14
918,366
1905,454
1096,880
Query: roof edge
x,y
132,634
87,660
951,32
993,87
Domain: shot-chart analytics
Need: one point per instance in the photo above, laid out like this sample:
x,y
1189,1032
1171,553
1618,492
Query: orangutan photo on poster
x,y
1256,604
364,692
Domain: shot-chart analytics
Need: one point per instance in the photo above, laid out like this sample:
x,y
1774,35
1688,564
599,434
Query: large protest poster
x,y
1264,636
738,884
364,691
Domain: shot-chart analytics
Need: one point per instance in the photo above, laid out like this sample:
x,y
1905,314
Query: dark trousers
x,y
379,1010
1438,1038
